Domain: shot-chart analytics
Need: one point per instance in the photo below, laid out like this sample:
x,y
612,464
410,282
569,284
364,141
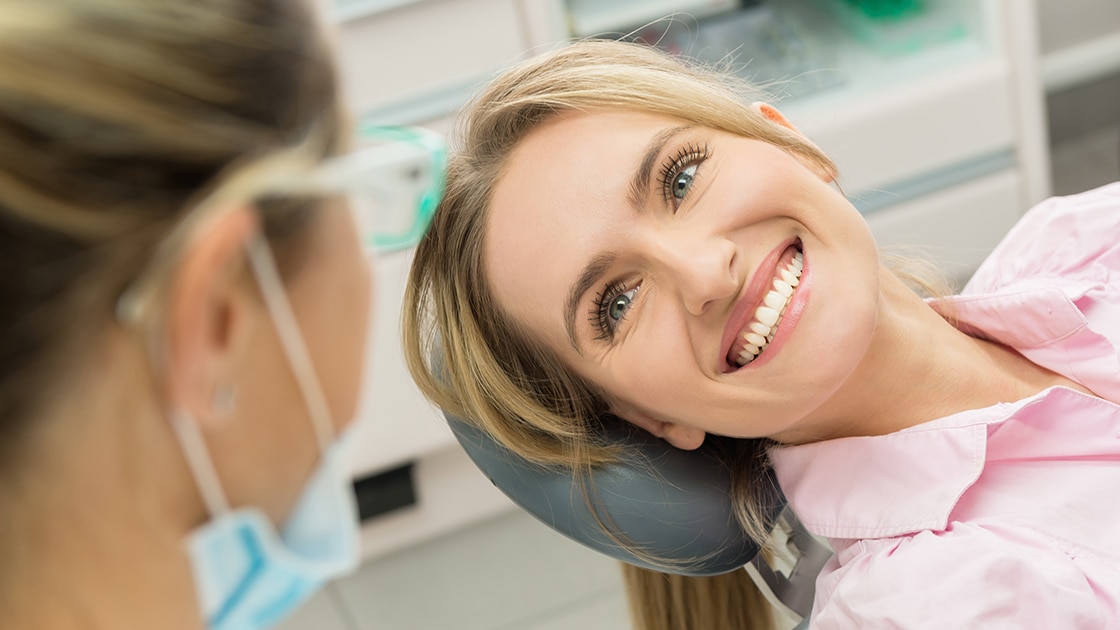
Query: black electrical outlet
x,y
385,492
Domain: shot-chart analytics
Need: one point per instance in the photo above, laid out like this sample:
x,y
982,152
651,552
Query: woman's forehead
x,y
559,200
618,119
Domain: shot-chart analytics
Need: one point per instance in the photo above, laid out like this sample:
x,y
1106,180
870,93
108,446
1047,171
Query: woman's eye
x,y
679,173
618,306
611,307
682,180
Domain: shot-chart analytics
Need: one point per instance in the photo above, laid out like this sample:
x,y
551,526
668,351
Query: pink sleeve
x,y
965,577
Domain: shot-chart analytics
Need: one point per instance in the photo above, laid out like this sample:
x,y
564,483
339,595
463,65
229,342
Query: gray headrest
x,y
674,504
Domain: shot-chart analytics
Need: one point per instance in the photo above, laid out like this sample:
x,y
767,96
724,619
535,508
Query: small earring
x,y
224,400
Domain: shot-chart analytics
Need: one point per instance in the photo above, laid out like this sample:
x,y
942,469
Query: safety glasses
x,y
394,177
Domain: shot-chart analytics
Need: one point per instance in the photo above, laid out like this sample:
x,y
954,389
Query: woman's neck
x,y
75,577
920,368
96,522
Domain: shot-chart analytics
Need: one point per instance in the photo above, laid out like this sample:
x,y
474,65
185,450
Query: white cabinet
x,y
404,63
942,147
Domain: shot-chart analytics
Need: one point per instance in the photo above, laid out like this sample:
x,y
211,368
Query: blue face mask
x,y
248,575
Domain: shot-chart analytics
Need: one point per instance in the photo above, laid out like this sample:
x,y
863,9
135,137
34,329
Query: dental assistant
x,y
184,298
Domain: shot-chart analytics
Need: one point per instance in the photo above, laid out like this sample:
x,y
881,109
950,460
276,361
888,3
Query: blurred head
x,y
141,143
548,152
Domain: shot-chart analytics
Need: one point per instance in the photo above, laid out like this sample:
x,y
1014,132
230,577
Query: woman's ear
x,y
771,113
683,437
209,303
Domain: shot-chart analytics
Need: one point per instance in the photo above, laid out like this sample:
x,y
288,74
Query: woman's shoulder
x,y
963,577
1075,237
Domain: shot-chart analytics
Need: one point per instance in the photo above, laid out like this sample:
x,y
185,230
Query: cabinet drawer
x,y
955,228
402,425
395,57
928,123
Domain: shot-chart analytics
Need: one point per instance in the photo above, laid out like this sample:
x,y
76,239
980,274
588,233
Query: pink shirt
x,y
1002,517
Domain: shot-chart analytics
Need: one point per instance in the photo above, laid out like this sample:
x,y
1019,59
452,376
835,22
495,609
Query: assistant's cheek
x,y
356,346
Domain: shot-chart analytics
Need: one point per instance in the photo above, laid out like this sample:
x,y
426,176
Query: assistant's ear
x,y
208,308
681,436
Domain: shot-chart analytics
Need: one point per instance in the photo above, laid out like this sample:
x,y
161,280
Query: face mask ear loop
x,y
198,459
276,301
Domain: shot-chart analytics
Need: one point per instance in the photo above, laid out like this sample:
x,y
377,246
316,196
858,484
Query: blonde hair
x,y
116,117
663,601
465,353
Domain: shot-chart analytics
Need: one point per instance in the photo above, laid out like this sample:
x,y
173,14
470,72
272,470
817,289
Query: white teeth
x,y
755,339
759,328
774,300
766,315
760,331
789,278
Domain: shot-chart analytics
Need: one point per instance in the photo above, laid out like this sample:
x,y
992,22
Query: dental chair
x,y
674,504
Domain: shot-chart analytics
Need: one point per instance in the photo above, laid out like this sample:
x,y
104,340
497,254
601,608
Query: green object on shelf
x,y
899,27
887,9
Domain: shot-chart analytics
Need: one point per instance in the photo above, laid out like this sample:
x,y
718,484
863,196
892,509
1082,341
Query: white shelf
x,y
596,17
346,10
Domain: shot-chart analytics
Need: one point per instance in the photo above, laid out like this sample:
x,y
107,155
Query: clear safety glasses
x,y
395,180
393,177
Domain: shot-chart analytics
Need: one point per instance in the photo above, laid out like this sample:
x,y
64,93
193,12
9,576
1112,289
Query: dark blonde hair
x,y
663,601
115,116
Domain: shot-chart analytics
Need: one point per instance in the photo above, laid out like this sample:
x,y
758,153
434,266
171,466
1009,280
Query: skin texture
x,y
264,448
330,296
846,365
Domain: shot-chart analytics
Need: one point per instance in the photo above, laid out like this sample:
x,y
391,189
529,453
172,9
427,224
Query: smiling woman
x,y
671,274
624,236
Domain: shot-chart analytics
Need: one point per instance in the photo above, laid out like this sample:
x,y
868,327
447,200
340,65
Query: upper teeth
x,y
760,331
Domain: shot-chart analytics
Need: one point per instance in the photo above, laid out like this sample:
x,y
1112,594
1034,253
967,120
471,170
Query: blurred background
x,y
947,118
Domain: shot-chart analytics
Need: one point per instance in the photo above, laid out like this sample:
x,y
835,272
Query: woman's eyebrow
x,y
639,185
597,266
594,270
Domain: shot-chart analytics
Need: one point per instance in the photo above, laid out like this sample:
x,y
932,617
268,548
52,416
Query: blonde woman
x,y
183,309
626,234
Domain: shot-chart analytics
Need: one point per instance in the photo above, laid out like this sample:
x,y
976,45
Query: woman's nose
x,y
703,270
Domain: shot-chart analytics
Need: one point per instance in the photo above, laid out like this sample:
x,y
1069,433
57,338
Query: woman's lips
x,y
754,321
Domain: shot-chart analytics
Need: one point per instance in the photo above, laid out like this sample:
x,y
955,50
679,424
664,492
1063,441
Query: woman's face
x,y
640,249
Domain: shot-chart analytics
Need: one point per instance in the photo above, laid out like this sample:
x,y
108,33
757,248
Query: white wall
x,y
1065,23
